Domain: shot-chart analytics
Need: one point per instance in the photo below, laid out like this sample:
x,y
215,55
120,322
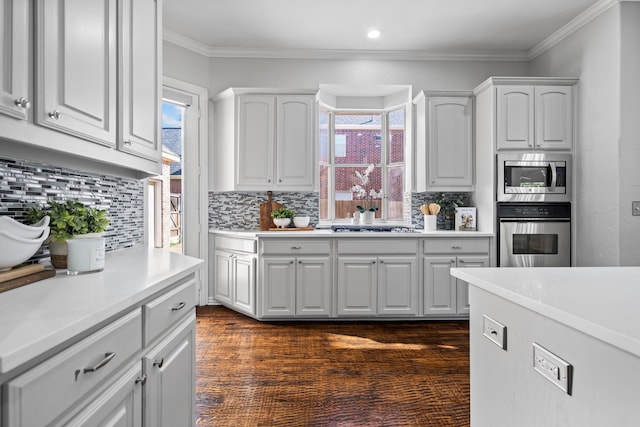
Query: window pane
x,y
395,192
367,191
396,136
362,135
324,191
323,137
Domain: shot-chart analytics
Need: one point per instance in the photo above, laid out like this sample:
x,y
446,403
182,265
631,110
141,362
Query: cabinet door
x,y
140,46
170,369
515,117
462,287
76,68
450,143
256,141
554,117
244,283
313,287
14,58
397,286
439,286
223,262
357,286
295,141
278,287
119,405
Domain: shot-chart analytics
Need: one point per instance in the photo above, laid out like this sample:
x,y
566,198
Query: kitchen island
x,y
554,346
324,274
80,348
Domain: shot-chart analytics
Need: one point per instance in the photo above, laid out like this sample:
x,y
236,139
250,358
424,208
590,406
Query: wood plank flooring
x,y
252,373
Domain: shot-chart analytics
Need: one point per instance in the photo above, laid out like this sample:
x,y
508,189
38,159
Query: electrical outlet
x,y
635,208
495,331
557,371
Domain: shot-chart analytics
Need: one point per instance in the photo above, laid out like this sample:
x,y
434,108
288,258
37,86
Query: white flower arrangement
x,y
361,191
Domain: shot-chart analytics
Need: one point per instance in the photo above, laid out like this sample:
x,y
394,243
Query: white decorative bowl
x,y
281,222
19,229
301,221
15,250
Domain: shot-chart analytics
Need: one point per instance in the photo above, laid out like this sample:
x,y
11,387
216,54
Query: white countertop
x,y
599,301
324,232
37,317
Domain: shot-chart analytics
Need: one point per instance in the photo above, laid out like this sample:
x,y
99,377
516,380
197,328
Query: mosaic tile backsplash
x,y
240,210
26,184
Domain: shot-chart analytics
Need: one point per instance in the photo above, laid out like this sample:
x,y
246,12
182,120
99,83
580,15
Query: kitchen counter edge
x,y
322,232
40,316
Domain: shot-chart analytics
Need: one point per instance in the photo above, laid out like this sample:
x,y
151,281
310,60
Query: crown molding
x,y
572,26
395,55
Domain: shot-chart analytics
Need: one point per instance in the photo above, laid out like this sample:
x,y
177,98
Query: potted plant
x,y
448,205
363,191
282,217
68,219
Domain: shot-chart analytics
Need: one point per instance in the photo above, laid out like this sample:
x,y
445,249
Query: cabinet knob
x,y
159,363
296,247
290,262
23,103
55,114
373,262
127,142
456,247
141,380
299,262
269,180
453,261
461,261
279,179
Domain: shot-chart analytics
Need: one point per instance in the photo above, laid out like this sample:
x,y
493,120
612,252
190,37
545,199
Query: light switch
x,y
495,331
635,208
553,368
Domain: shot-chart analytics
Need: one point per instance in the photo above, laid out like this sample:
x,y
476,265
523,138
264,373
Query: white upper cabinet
x,y
534,117
263,141
140,52
14,58
76,68
444,142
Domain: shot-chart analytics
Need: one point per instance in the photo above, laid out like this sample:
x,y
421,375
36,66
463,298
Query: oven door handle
x,y
534,219
554,176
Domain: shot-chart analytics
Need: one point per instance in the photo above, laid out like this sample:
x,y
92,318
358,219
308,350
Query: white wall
x,y
593,54
630,134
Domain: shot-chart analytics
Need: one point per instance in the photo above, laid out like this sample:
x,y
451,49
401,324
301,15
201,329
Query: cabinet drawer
x,y
41,394
235,244
456,245
167,309
295,247
377,246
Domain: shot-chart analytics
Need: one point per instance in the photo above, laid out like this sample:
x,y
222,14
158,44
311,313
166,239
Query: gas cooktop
x,y
372,228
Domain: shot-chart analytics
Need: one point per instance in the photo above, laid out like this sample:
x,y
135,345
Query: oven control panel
x,y
534,210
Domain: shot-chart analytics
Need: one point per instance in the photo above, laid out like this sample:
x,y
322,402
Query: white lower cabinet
x,y
134,371
444,294
235,278
381,281
295,278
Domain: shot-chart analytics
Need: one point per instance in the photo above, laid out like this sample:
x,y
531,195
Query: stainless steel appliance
x,y
534,177
534,234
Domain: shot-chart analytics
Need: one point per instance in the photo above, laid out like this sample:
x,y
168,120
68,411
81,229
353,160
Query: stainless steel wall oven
x,y
534,234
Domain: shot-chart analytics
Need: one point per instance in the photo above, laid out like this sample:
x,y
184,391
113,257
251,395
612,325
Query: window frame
x,y
385,164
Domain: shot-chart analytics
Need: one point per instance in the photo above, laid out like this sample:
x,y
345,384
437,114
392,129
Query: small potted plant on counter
x,y
68,219
282,217
448,205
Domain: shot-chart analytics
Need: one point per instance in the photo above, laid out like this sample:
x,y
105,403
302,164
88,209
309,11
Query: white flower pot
x,y
281,222
367,217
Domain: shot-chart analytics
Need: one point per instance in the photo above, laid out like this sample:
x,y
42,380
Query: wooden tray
x,y
293,229
26,280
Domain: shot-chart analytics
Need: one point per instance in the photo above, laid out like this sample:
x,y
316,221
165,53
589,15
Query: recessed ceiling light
x,y
373,34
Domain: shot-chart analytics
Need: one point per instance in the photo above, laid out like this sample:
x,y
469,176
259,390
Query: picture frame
x,y
466,219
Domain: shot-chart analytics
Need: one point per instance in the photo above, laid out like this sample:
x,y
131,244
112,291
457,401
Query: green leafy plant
x,y
282,213
69,219
449,203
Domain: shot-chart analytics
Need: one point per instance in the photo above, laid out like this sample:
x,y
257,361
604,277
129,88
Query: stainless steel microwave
x,y
533,177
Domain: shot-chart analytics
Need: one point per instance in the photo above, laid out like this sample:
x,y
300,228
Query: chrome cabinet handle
x,y
23,103
280,180
159,363
141,380
108,357
456,247
179,307
461,261
296,247
127,142
290,262
55,114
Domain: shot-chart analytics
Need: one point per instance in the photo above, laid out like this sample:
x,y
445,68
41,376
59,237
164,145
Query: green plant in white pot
x,y
282,217
68,219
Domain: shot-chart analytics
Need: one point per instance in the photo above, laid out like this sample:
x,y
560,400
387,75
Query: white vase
x,y
281,222
430,222
366,217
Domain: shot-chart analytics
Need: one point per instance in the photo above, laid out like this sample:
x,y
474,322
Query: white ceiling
x,y
508,28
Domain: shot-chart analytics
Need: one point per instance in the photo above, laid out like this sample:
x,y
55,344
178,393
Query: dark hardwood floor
x,y
252,373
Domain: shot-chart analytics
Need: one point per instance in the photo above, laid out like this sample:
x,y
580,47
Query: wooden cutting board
x,y
26,280
266,222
